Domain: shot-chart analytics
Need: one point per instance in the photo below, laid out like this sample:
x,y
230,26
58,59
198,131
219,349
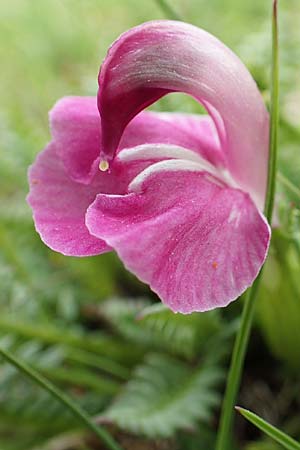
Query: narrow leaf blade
x,y
286,441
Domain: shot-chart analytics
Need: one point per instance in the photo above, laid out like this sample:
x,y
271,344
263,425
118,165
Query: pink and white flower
x,y
182,200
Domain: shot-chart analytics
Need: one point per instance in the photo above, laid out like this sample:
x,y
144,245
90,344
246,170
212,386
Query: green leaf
x,y
286,441
156,327
165,394
280,284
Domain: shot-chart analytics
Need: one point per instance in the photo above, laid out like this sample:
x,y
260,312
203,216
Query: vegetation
x,y
155,380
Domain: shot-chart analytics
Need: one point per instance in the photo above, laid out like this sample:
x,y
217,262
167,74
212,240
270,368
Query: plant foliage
x,y
165,395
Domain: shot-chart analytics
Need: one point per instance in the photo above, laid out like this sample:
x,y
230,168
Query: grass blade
x,y
278,436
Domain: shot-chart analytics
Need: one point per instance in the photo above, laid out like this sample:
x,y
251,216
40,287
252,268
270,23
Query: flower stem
x,y
272,168
62,398
235,370
168,9
224,435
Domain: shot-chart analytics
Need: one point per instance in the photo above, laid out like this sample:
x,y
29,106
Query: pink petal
x,y
65,178
59,203
160,57
75,126
191,131
198,243
142,160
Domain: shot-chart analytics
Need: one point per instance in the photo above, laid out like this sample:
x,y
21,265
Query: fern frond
x,y
161,328
166,394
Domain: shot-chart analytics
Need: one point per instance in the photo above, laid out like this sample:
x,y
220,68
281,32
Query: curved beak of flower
x,y
160,57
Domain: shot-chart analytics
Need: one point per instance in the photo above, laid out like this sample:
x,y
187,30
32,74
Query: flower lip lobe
x,y
160,57
198,244
65,178
59,205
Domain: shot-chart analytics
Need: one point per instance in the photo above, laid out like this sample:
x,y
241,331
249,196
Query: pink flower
x,y
181,202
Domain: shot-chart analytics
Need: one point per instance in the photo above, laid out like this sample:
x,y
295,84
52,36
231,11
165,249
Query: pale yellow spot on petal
x,y
104,165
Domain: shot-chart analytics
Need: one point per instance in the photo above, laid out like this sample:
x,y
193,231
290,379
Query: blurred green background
x,y
75,319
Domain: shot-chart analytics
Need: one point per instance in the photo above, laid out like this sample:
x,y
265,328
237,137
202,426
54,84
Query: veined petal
x,y
59,203
190,131
76,126
160,57
65,178
198,243
172,162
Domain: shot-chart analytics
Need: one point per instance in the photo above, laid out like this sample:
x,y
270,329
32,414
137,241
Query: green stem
x,y
168,9
62,398
224,435
236,367
272,167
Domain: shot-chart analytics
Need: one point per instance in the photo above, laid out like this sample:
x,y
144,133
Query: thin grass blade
x,y
283,439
